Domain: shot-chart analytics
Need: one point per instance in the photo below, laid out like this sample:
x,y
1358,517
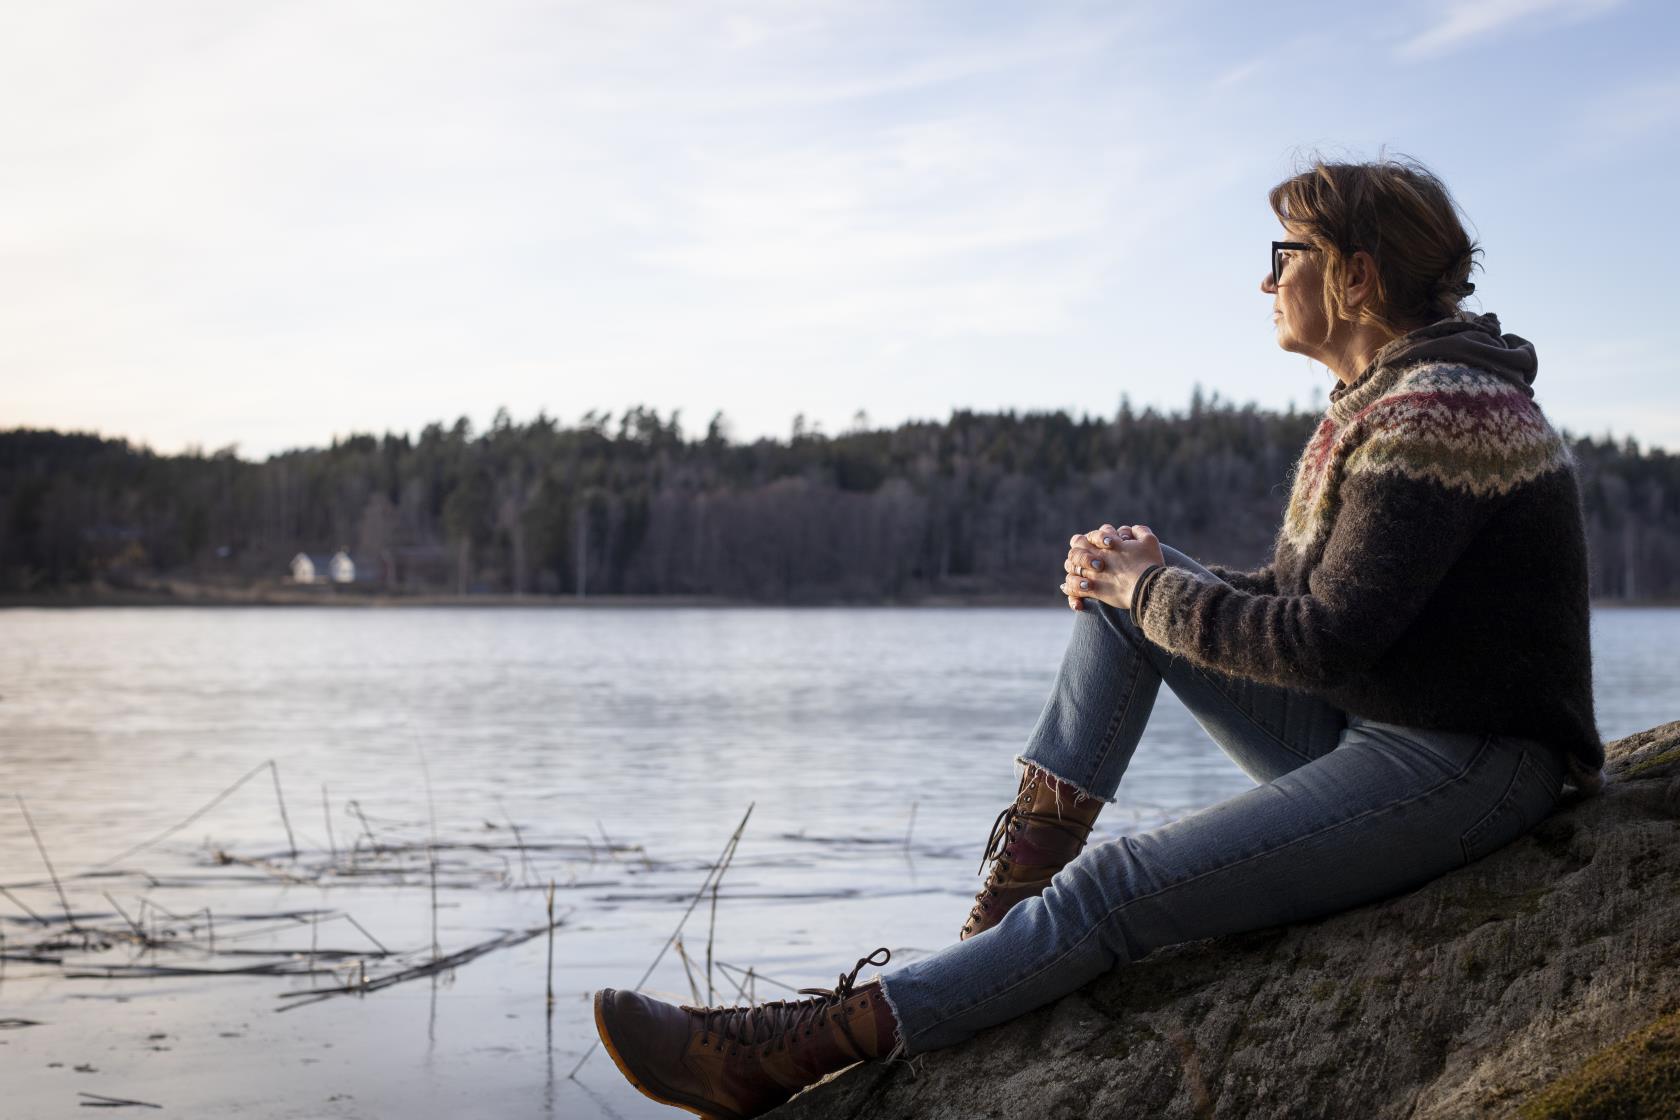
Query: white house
x,y
338,568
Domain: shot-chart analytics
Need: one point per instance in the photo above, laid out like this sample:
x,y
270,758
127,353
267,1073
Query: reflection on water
x,y
850,731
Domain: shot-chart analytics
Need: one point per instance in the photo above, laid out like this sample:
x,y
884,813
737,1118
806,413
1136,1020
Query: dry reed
x,y
46,859
717,869
99,1100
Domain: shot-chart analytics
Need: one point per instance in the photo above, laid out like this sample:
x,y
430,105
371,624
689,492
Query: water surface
x,y
875,745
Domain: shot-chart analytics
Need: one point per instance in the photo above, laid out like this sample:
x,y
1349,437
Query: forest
x,y
978,505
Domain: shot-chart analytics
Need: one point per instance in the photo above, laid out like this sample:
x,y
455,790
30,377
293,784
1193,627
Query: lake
x,y
441,767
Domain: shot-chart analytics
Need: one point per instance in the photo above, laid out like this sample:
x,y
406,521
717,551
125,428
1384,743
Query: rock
x,y
1542,981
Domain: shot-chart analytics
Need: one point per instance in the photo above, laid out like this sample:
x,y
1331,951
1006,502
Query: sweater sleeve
x,y
1263,581
1399,528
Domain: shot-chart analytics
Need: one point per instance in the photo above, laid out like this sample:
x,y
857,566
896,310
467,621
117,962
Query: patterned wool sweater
x,y
1431,569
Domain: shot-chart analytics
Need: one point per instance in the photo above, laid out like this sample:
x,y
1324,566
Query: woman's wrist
x,y
1138,589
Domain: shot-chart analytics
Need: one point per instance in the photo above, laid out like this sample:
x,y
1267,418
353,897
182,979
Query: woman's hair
x,y
1400,213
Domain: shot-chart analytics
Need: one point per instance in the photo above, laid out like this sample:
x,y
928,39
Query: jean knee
x,y
1175,558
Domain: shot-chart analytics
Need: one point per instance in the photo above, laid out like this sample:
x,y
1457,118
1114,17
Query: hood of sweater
x,y
1467,340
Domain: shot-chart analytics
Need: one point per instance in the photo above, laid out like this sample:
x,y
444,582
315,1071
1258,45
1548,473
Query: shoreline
x,y
184,594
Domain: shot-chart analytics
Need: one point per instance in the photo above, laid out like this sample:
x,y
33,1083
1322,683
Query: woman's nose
x,y
1266,284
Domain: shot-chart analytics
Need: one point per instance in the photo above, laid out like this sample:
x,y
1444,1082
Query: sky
x,y
270,224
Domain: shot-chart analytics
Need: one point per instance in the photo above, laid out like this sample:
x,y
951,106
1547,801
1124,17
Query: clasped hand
x,y
1105,564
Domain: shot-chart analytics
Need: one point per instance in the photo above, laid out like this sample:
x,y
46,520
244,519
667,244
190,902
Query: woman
x,y
1409,679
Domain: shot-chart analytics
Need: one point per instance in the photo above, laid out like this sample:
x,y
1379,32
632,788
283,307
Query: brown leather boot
x,y
1031,840
729,1063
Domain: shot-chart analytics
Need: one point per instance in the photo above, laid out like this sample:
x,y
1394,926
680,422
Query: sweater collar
x,y
1470,340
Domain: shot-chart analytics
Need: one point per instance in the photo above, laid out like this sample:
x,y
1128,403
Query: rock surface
x,y
1543,980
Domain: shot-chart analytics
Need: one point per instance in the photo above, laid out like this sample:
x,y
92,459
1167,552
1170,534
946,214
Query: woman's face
x,y
1298,300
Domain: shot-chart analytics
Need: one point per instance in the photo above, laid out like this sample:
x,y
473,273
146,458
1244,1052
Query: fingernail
x,y
1096,563
1108,540
1085,585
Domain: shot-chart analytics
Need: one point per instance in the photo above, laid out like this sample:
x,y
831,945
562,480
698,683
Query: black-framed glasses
x,y
1279,248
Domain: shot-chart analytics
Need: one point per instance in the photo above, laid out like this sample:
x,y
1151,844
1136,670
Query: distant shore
x,y
183,593
188,594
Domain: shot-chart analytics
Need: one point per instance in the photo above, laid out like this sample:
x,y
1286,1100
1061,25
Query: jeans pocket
x,y
1528,797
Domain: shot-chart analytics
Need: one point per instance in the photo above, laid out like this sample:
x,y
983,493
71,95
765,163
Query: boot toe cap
x,y
648,1040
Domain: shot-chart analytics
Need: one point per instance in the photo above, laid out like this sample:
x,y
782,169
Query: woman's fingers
x,y
1078,585
1078,558
1108,536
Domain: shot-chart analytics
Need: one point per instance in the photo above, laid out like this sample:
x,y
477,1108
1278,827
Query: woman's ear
x,y
1360,289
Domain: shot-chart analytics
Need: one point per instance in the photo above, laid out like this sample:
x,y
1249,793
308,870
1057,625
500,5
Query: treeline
x,y
979,504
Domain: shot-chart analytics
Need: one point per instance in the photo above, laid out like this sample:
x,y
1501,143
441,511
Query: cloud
x,y
1242,72
1628,114
1466,22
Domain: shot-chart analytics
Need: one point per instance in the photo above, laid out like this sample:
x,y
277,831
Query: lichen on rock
x,y
1636,1076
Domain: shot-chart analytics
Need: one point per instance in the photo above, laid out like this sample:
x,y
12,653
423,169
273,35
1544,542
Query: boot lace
x,y
1004,829
757,1025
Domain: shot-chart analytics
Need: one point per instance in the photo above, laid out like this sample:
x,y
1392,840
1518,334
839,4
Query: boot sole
x,y
706,1110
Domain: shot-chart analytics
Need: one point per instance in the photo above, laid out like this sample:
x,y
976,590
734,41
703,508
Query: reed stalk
x,y
21,905
280,796
726,968
431,846
711,929
46,859
550,948
189,819
356,807
431,866
524,860
688,971
99,1100
326,813
363,985
728,849
377,943
132,924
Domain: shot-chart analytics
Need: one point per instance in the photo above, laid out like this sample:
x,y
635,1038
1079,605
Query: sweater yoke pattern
x,y
1456,425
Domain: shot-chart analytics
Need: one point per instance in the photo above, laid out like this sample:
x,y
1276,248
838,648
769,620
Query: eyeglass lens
x,y
1282,253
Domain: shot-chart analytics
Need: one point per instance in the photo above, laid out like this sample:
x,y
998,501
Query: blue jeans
x,y
1347,811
